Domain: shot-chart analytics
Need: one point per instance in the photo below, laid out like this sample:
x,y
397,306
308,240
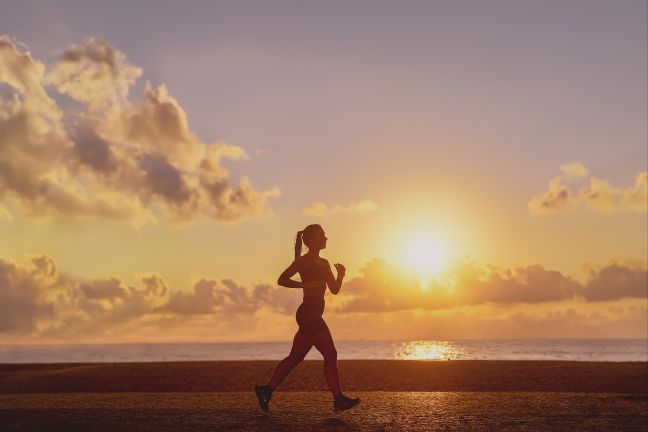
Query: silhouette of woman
x,y
316,274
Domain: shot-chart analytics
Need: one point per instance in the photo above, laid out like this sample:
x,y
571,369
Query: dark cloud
x,y
103,289
92,151
164,179
615,281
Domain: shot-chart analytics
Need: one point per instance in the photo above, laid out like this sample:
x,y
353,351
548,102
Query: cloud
x,y
37,299
384,287
598,195
103,289
226,296
95,73
318,208
40,301
602,196
566,319
616,280
575,169
558,196
478,284
201,301
23,292
21,72
101,156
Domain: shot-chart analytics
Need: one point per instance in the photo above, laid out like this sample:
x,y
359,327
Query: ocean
x,y
611,350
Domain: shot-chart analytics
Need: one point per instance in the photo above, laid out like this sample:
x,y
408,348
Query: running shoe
x,y
345,403
264,395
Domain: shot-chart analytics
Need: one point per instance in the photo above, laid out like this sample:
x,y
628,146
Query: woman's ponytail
x,y
298,244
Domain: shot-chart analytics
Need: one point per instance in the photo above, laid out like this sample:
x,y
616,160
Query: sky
x,y
480,168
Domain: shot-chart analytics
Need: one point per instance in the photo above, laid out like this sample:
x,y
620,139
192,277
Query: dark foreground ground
x,y
396,395
311,411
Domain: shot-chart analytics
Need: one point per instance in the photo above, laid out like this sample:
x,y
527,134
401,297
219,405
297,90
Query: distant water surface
x,y
508,349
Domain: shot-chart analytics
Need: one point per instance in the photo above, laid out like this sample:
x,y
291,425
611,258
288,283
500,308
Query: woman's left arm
x,y
335,284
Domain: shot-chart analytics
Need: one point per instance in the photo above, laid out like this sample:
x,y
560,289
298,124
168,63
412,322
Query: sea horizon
x,y
571,349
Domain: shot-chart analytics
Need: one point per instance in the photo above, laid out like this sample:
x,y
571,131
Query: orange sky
x,y
481,173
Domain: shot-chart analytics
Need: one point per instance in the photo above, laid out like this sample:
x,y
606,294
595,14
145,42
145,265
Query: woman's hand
x,y
340,269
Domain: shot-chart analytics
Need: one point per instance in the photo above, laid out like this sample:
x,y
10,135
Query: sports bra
x,y
314,272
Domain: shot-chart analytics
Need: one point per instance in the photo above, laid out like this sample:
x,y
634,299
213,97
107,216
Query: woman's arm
x,y
335,284
284,278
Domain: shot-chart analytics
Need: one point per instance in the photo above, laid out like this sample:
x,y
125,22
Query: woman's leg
x,y
324,343
300,347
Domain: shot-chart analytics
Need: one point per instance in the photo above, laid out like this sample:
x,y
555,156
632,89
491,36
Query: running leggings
x,y
309,316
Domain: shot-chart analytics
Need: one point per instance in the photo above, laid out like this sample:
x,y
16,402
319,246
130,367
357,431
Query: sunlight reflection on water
x,y
613,350
428,350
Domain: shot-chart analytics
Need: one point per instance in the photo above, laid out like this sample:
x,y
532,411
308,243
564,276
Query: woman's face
x,y
318,241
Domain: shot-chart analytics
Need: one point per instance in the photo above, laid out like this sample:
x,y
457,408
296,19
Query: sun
x,y
425,255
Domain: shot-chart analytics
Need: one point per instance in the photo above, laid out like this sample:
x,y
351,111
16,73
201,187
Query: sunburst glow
x,y
425,255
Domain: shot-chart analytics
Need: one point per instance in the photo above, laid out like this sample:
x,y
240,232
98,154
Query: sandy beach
x,y
396,395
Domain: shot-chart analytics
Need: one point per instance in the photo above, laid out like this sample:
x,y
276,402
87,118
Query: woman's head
x,y
313,237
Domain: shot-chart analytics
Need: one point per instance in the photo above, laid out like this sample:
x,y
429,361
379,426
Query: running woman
x,y
316,274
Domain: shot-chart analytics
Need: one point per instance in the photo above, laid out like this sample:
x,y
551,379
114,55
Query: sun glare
x,y
425,255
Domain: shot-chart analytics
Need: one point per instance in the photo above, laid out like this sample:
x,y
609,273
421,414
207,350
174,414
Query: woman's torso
x,y
314,271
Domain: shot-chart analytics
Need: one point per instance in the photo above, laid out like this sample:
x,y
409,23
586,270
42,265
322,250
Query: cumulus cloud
x,y
615,280
318,208
38,299
602,196
566,319
226,296
474,284
598,195
94,73
384,287
103,289
23,293
104,156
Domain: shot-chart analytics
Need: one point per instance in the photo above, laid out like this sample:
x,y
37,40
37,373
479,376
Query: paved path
x,y
355,375
311,411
